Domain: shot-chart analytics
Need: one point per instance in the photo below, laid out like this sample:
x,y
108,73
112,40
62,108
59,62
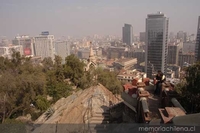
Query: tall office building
x,y
136,53
116,52
172,37
185,58
197,49
191,38
173,52
182,36
142,36
44,45
156,43
127,34
27,44
62,49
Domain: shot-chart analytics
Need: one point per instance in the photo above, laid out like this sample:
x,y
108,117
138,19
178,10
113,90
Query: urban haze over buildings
x,y
88,17
80,44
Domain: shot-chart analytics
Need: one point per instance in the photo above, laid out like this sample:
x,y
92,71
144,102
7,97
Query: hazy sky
x,y
88,17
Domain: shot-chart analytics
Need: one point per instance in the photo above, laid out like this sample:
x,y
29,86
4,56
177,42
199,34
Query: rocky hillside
x,y
80,108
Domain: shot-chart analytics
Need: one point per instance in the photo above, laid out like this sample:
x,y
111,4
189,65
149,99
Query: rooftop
x,y
124,60
156,15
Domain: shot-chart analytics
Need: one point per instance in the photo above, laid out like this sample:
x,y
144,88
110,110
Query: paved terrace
x,y
154,102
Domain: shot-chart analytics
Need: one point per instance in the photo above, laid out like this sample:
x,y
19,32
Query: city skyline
x,y
78,18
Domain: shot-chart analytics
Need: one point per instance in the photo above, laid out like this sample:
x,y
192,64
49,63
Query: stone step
x,y
100,118
99,121
107,111
101,115
92,121
99,125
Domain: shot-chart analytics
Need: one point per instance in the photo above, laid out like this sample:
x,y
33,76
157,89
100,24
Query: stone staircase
x,y
99,122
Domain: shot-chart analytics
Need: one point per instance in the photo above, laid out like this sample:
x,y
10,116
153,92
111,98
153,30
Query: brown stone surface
x,y
77,108
154,103
168,113
174,111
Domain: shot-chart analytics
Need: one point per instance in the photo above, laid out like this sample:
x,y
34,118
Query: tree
x,y
20,84
42,103
87,80
109,80
47,63
23,84
3,64
189,89
74,69
57,88
56,85
59,69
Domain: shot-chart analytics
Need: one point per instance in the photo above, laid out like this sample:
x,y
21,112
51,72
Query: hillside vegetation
x,y
24,86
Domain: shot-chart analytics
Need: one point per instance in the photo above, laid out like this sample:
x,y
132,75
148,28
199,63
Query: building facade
x,y
83,53
130,75
4,41
116,52
188,58
45,45
27,44
197,49
172,37
181,35
7,51
173,51
125,64
176,69
127,34
156,43
142,36
137,53
62,49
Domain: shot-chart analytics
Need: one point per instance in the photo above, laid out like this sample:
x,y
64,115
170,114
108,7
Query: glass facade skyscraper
x,y
127,34
156,43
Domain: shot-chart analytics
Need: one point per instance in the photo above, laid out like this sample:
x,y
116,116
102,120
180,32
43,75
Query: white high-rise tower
x,y
45,45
